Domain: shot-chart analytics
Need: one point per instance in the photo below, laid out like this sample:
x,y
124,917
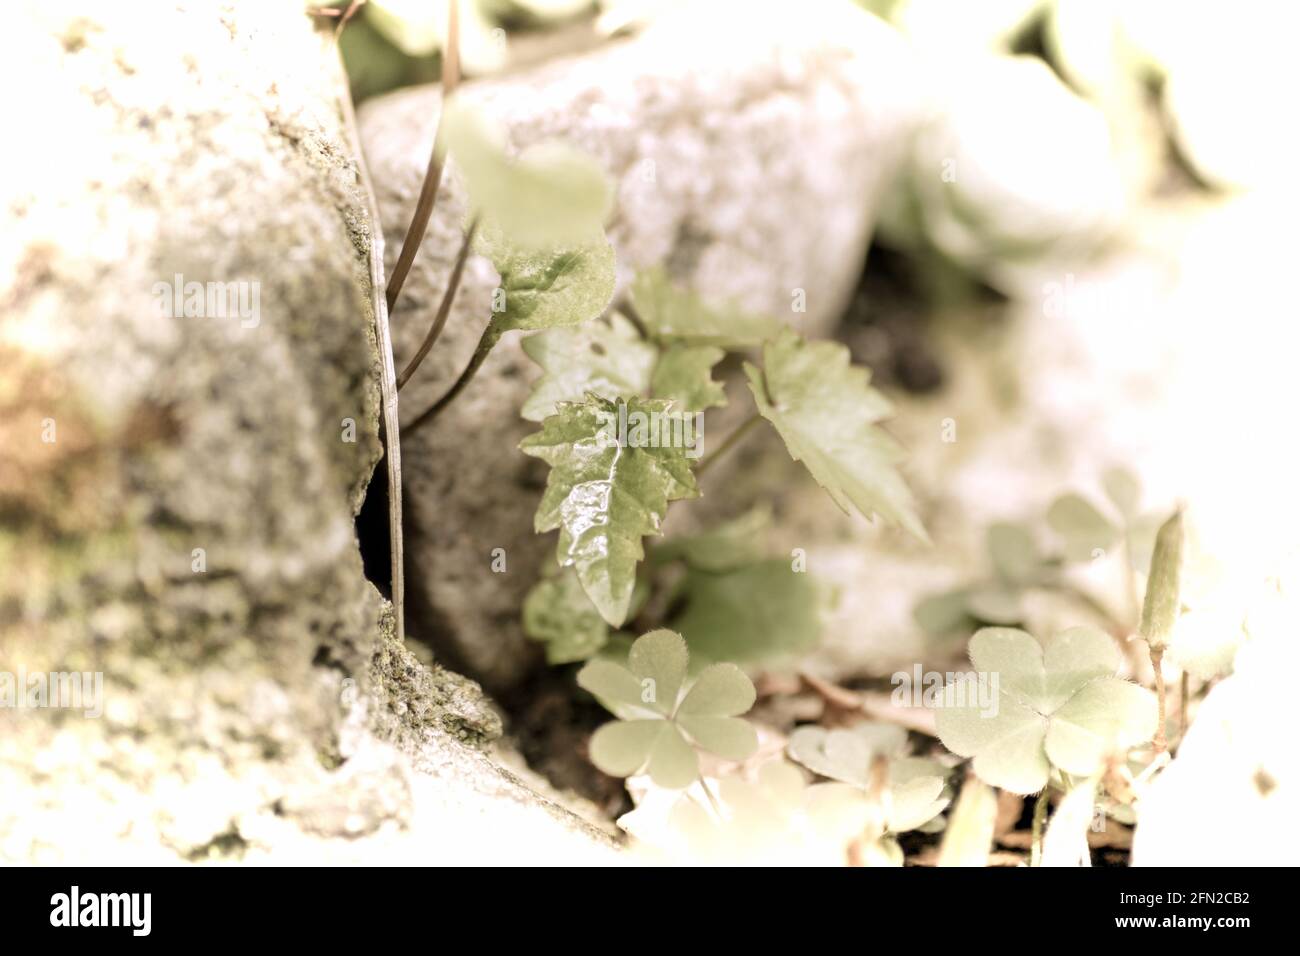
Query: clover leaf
x,y
1085,530
659,727
1056,705
916,787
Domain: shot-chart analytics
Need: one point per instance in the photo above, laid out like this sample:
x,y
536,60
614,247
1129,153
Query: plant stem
x,y
1160,742
1117,627
709,793
1184,689
444,308
1040,818
729,441
433,173
489,339
390,431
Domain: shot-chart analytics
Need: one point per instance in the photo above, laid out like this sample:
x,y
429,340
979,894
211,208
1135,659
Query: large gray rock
x,y
178,493
748,144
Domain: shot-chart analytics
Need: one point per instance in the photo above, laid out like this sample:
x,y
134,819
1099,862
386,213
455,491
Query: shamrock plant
x,y
1059,706
869,757
1018,563
660,727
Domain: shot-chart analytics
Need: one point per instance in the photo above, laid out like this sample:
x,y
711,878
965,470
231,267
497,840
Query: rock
x,y
179,491
1229,796
749,166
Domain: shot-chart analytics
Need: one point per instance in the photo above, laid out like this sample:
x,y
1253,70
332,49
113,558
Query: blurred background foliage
x,y
1126,100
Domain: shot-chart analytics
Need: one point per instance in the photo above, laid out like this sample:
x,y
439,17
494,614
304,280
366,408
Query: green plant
x,y
659,728
1059,707
1018,564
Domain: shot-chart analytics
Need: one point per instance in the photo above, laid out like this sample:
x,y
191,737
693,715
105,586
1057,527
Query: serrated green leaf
x,y
1107,715
1162,605
1123,490
683,376
658,660
1084,528
730,545
551,195
721,690
605,358
605,494
553,288
676,315
761,612
558,613
1013,553
826,411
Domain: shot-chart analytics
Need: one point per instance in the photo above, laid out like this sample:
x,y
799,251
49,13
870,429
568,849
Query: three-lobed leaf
x,y
659,728
1055,705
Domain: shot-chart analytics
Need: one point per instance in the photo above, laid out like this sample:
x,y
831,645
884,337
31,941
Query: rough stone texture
x,y
255,706
747,147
